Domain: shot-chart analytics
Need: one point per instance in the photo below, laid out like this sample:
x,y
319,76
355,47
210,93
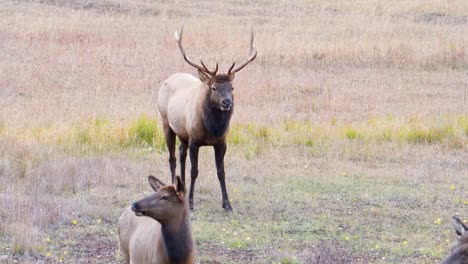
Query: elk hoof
x,y
227,207
191,205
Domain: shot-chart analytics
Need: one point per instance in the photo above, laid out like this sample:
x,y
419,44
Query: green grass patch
x,y
351,134
104,135
424,135
145,133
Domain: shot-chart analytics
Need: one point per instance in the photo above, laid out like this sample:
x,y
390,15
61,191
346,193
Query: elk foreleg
x,y
220,150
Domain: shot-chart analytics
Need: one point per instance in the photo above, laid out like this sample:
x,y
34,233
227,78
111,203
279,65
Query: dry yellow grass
x,y
355,106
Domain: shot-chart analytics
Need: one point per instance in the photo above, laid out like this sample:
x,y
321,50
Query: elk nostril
x,y
227,101
134,206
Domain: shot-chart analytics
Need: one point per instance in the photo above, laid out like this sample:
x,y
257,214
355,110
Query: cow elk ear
x,y
155,183
460,228
205,78
180,187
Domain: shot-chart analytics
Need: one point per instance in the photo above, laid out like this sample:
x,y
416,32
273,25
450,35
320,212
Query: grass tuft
x,y
25,238
352,134
145,131
100,135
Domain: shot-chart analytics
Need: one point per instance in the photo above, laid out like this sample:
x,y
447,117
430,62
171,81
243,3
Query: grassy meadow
x,y
349,141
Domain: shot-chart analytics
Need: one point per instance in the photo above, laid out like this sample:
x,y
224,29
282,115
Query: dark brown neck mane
x,y
216,121
178,241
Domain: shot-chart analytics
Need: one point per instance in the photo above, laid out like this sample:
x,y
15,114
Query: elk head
x,y
165,204
220,85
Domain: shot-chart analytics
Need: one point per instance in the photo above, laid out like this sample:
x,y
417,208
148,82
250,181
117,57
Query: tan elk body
x,y
459,253
181,96
198,112
156,229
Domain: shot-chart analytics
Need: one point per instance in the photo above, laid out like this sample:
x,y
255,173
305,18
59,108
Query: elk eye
x,y
214,88
165,197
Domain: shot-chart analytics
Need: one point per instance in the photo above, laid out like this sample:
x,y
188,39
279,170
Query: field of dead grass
x,y
348,143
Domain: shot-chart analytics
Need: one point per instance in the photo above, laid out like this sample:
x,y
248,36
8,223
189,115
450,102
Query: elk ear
x,y
180,187
155,183
460,228
205,78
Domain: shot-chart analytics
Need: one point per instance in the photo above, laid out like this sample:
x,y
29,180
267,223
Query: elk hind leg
x,y
171,142
193,151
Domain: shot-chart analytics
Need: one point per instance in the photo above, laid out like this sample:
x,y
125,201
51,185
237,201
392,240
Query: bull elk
x,y
198,112
460,251
157,228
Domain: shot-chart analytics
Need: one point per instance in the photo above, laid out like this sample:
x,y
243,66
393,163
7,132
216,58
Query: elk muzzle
x,y
226,104
136,209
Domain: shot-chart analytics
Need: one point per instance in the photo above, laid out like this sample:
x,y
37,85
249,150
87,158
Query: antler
x,y
212,73
201,67
252,55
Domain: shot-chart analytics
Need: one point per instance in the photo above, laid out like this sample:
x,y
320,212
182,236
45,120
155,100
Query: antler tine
x,y
232,66
213,73
178,37
252,55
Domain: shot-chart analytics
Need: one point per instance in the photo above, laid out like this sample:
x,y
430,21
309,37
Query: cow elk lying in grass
x,y
157,228
460,251
198,112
